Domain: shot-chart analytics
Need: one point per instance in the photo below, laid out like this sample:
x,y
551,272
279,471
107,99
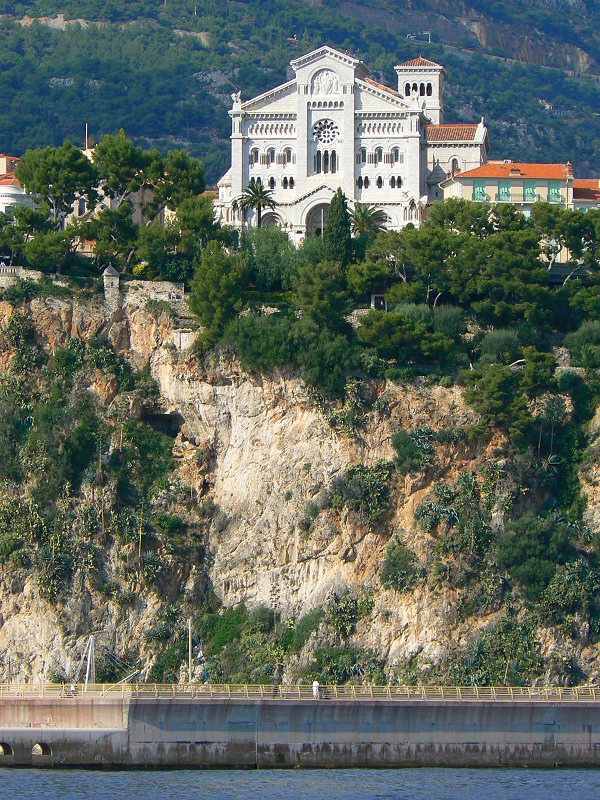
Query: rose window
x,y
325,131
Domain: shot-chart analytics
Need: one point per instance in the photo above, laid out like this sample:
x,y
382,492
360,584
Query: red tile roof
x,y
381,86
419,62
586,189
518,169
8,179
452,132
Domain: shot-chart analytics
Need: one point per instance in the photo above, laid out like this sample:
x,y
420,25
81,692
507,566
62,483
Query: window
x,y
395,155
359,182
379,182
398,182
326,161
392,182
366,183
333,161
363,155
529,191
429,90
253,156
378,155
554,192
81,207
407,90
284,183
422,90
270,156
271,182
504,191
291,183
287,155
318,159
479,192
454,168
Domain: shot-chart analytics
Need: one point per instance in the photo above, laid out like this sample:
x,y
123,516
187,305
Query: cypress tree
x,y
337,236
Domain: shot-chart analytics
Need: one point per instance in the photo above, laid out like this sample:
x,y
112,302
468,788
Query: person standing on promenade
x,y
315,688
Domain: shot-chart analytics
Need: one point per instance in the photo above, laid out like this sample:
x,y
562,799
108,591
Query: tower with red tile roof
x,y
420,77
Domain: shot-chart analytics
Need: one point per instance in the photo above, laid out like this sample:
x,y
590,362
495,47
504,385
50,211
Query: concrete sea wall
x,y
129,732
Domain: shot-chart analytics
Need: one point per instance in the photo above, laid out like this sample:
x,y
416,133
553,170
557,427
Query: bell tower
x,y
424,79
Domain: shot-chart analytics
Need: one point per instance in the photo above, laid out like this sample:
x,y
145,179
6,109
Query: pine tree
x,y
337,236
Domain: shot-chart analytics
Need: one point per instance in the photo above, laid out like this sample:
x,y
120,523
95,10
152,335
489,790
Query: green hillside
x,y
165,74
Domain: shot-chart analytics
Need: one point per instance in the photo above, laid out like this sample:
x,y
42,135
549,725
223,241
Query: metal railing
x,y
207,691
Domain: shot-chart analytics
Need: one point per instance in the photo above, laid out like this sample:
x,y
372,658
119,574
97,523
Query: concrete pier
x,y
137,730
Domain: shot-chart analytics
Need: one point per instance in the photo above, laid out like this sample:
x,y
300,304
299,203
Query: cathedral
x,y
334,126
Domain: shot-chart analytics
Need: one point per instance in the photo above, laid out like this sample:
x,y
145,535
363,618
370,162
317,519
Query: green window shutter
x,y
479,190
554,192
529,191
504,191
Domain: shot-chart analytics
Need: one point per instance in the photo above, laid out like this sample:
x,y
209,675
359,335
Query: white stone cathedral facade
x,y
333,126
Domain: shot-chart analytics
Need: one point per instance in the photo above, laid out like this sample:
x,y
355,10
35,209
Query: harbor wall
x,y
265,733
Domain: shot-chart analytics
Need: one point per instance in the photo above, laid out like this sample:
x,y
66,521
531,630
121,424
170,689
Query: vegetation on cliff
x,y
93,496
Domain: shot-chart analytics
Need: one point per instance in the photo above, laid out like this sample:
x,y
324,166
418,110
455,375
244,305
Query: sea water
x,y
342,784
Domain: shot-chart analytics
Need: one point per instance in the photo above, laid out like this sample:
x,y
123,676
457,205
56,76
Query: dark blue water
x,y
404,784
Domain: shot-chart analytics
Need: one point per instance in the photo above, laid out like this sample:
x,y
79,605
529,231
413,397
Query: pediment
x,y
322,53
382,95
270,99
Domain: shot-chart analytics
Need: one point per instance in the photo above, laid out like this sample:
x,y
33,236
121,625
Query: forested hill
x,y
164,69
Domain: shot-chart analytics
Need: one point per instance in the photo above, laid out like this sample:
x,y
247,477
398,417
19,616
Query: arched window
x,y
415,87
333,161
362,155
398,182
366,183
395,155
253,156
392,182
429,90
407,90
378,155
379,182
326,161
81,207
285,183
271,182
359,182
291,183
287,155
318,161
454,166
422,90
259,181
270,156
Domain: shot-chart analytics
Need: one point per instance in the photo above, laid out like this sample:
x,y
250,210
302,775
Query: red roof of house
x,y
452,132
586,189
419,62
381,86
519,169
8,179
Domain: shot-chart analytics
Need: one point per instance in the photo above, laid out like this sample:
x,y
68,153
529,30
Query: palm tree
x,y
367,218
255,197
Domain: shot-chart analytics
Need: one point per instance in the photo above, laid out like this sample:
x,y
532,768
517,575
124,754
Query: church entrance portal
x,y
316,220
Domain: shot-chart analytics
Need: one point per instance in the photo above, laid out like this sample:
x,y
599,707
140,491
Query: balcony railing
x,y
205,691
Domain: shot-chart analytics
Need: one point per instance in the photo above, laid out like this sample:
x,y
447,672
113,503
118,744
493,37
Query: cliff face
x,y
262,454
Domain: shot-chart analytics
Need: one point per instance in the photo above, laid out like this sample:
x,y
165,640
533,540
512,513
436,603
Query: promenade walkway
x,y
205,691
